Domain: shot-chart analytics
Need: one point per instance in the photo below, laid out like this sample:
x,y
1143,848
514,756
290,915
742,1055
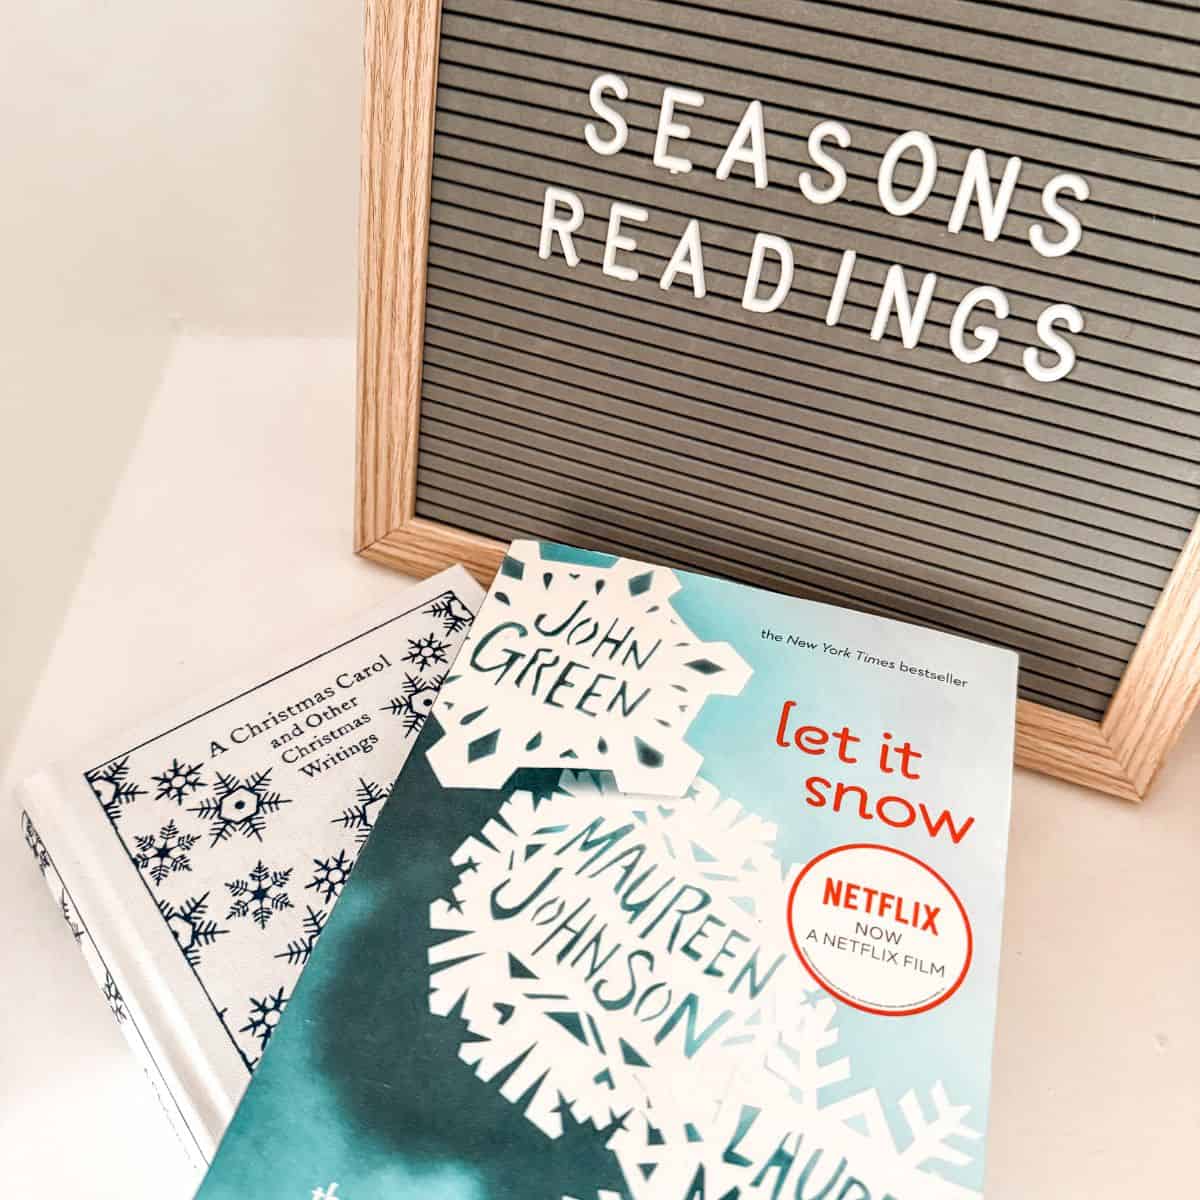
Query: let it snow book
x,y
688,891
196,858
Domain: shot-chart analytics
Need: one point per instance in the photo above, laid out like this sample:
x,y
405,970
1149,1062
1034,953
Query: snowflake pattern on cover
x,y
245,823
728,1043
79,932
33,840
619,617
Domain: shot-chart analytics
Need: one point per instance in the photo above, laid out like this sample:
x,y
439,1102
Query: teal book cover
x,y
688,891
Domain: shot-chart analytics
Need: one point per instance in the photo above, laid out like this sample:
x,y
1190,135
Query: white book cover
x,y
196,859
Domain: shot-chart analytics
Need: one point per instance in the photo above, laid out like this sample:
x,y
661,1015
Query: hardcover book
x,y
196,860
688,891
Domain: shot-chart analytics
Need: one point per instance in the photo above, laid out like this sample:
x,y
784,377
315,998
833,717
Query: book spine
x,y
110,987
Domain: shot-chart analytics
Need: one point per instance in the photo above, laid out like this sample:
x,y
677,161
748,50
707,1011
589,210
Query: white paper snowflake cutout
x,y
577,666
527,995
543,988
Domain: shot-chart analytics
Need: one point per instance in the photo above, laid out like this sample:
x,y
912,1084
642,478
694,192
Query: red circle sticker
x,y
880,930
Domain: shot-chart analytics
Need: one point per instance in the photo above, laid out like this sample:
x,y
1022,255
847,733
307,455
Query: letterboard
x,y
830,445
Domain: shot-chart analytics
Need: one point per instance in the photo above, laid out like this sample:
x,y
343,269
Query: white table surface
x,y
230,533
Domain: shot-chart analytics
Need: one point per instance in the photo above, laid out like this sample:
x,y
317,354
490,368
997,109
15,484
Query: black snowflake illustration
x,y
359,816
260,895
452,613
177,781
416,700
161,855
330,875
33,840
191,926
116,1001
112,786
299,950
65,908
239,806
264,1016
426,652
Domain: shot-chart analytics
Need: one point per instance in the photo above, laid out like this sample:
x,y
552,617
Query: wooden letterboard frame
x,y
507,394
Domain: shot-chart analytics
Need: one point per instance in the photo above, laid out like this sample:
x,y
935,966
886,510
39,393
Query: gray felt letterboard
x,y
563,403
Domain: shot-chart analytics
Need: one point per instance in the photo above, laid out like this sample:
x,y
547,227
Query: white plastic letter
x,y
1077,187
751,130
620,135
616,240
751,301
669,128
993,207
887,170
1072,318
986,335
841,286
688,259
826,161
895,296
564,227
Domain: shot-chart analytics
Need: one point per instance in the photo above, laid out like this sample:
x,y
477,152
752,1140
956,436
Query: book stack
x,y
686,891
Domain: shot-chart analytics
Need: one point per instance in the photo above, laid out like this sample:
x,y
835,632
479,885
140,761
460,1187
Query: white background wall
x,y
166,167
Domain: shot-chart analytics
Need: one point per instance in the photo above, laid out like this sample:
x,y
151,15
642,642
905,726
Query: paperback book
x,y
688,891
197,858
